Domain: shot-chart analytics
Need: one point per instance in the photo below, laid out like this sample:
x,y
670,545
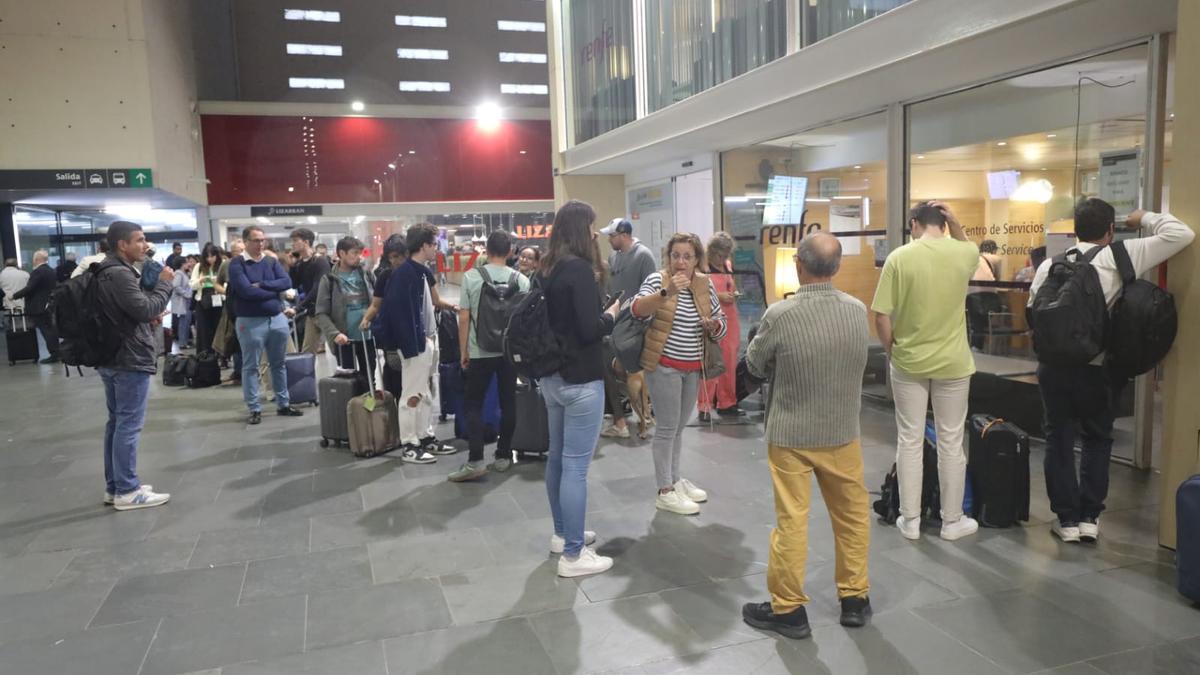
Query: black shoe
x,y
48,360
856,612
255,418
705,418
793,625
732,411
288,412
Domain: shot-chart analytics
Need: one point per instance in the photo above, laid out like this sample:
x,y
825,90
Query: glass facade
x,y
692,46
598,39
820,19
61,232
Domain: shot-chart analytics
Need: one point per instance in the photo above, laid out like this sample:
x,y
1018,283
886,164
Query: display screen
x,y
1001,184
785,200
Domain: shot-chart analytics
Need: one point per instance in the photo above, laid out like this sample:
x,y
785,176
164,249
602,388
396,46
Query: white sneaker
x,y
109,497
1068,533
676,502
614,431
142,498
960,528
909,529
557,543
587,563
693,493
1089,532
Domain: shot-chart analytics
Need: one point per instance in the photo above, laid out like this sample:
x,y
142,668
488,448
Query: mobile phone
x,y
610,299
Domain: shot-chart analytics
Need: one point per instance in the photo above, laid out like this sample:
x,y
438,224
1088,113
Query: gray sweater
x,y
813,348
627,270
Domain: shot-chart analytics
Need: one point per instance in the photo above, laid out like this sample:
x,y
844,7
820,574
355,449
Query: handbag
x,y
713,361
225,337
629,337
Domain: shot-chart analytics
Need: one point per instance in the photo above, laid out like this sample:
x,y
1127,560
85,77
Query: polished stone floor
x,y
275,556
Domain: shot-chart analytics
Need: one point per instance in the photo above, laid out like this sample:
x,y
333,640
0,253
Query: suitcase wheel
x,y
324,442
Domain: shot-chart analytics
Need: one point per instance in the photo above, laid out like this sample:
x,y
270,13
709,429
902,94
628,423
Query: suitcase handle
x,y
989,425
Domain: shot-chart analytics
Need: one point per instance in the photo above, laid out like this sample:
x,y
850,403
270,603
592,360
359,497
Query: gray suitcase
x,y
335,393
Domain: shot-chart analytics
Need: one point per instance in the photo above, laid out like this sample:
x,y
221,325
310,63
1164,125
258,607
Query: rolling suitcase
x,y
21,338
450,388
491,415
1187,538
373,421
998,470
532,433
337,392
301,376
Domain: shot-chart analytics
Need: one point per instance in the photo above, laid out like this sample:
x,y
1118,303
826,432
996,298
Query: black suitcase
x,y
175,370
335,393
1187,538
21,338
450,388
203,371
998,469
532,433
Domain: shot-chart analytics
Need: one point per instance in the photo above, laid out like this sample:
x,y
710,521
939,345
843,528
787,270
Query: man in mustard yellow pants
x,y
813,348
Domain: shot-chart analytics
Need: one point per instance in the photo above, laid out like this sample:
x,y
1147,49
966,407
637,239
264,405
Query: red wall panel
x,y
255,159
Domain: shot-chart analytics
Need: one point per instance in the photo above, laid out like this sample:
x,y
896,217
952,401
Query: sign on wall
x,y
1120,180
287,210
75,179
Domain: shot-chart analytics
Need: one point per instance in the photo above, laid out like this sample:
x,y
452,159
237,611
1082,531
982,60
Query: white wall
x,y
694,204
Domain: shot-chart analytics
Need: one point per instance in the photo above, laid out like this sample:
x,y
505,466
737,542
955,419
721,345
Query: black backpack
x,y
888,504
497,302
1069,314
1143,322
89,338
203,370
530,345
447,328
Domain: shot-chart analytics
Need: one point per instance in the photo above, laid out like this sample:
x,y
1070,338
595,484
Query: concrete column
x,y
1181,389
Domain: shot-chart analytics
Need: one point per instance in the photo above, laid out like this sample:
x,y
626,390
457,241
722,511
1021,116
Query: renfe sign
x,y
599,45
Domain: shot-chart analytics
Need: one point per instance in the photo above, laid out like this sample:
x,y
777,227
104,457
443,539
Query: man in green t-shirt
x,y
919,312
480,366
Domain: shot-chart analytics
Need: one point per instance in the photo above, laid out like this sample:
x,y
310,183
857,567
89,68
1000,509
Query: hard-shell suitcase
x,y
491,415
532,433
1187,538
21,338
450,388
373,419
337,392
998,470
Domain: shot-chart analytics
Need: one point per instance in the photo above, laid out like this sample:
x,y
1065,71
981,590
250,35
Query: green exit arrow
x,y
141,177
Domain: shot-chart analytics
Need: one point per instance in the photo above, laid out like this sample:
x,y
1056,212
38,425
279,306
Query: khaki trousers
x,y
839,472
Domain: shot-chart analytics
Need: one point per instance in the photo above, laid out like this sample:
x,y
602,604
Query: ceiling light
x,y
858,166
522,152
357,106
391,166
488,115
376,180
412,152
920,156
1002,143
291,189
1039,190
1051,135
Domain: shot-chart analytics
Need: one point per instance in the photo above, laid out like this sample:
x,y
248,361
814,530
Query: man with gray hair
x,y
36,295
813,348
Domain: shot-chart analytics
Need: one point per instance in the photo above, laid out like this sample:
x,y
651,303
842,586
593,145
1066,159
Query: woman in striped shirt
x,y
685,311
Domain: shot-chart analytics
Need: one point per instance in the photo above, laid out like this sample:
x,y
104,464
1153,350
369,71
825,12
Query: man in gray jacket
x,y
130,311
628,266
813,348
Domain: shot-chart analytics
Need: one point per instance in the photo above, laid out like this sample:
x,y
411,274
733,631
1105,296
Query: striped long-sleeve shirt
x,y
813,348
683,344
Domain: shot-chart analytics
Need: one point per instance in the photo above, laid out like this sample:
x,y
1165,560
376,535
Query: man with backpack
x,y
490,294
1070,336
628,266
307,274
126,316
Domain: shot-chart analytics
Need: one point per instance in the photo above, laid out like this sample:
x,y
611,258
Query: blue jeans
x,y
183,329
576,412
126,393
256,333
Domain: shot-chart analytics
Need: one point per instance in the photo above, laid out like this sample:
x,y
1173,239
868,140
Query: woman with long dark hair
x,y
209,302
575,394
724,387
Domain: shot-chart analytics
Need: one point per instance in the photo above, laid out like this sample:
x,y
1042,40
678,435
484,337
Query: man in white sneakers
x,y
128,311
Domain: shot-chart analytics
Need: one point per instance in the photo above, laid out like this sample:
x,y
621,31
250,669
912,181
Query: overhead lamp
x,y
412,152
1038,190
391,166
522,152
1002,143
291,189
357,106
488,116
920,156
858,166
376,180
1051,135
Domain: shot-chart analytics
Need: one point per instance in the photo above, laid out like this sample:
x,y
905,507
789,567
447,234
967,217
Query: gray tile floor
x,y
275,556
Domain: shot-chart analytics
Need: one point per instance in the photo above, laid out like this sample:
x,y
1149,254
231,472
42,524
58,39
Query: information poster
x,y
785,200
1120,180
847,218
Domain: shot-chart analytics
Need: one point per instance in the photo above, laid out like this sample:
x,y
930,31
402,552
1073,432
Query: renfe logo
x,y
599,45
69,175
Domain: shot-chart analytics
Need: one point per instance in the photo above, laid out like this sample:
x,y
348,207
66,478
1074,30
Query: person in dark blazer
x,y
36,294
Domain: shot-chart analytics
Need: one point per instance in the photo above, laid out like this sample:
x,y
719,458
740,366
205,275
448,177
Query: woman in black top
x,y
575,394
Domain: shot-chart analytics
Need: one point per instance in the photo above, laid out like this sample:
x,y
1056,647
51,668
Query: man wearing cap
x,y
628,266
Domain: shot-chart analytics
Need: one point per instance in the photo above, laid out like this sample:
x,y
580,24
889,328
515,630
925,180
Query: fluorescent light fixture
x,y
421,21
391,166
1051,135
538,89
920,156
357,106
423,54
866,212
316,83
522,57
312,15
816,200
291,189
313,50
858,166
522,26
522,152
1002,143
1038,190
412,152
488,115
421,85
